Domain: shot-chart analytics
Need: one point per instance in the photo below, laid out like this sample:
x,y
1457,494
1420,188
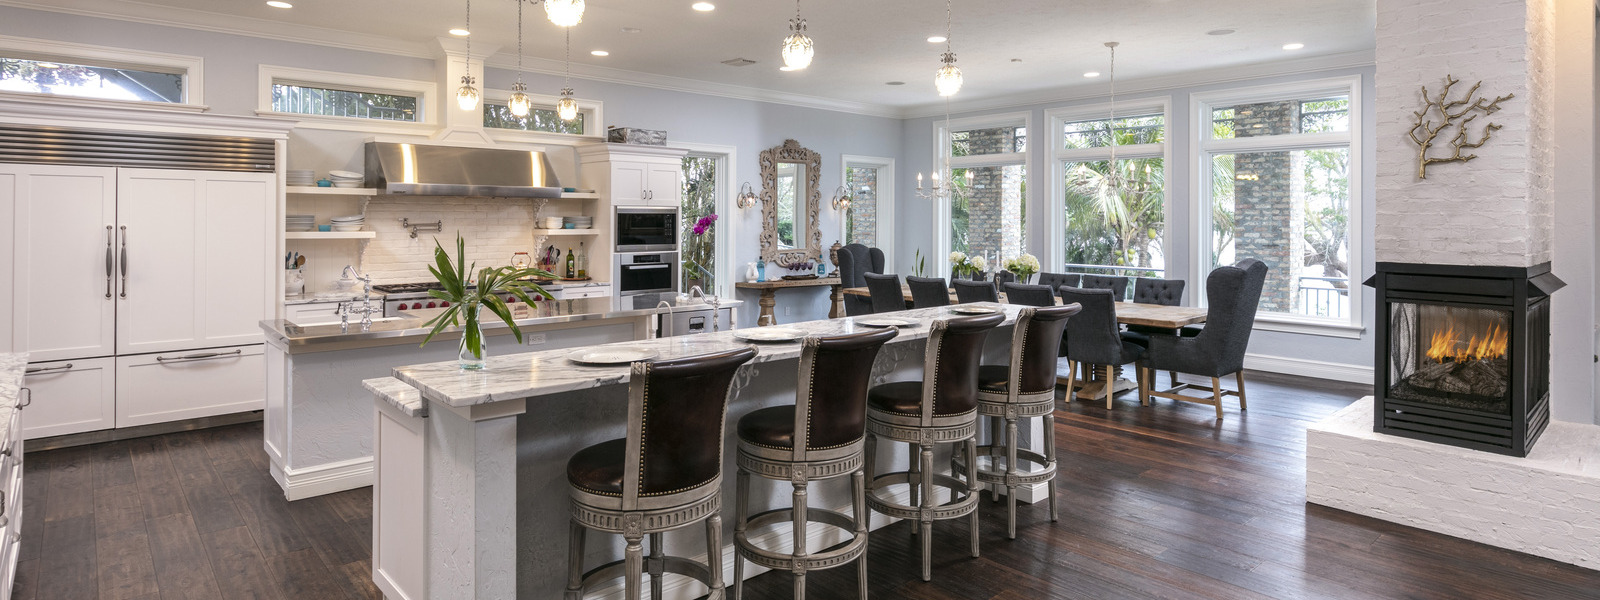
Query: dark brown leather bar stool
x,y
1024,389
943,409
818,437
667,474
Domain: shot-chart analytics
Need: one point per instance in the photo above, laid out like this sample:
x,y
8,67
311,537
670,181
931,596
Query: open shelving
x,y
330,191
330,235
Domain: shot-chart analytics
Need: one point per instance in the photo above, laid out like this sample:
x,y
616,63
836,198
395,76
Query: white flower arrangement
x,y
978,264
1024,266
958,259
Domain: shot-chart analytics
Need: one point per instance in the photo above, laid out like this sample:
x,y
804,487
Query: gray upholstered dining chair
x,y
928,292
855,261
1004,277
1093,337
1058,280
1117,285
886,293
1163,292
1029,295
968,291
1232,295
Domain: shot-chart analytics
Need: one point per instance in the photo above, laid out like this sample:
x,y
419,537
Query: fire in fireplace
x,y
1467,354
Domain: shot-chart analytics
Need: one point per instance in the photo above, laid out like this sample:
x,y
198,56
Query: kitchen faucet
x,y
716,305
668,320
366,309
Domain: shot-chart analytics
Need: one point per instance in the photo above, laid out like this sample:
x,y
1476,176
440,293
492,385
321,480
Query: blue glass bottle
x,y
761,270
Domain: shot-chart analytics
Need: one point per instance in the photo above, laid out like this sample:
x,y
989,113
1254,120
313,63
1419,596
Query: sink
x,y
354,323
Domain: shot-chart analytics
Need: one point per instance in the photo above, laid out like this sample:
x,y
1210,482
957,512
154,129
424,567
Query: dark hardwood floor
x,y
1156,502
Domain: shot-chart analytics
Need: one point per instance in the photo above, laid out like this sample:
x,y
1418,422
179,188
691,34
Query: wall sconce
x,y
841,199
747,197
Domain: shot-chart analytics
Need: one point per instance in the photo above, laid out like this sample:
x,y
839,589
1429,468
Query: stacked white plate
x,y
346,179
581,222
300,177
350,223
299,222
553,222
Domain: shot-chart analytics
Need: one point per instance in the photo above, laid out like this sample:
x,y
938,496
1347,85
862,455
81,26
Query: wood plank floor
x,y
1156,502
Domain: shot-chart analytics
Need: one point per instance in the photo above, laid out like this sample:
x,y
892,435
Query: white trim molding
x,y
325,478
1309,368
885,200
727,169
191,68
426,93
153,117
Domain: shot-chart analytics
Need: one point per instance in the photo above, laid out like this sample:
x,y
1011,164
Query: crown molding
x,y
62,111
1221,75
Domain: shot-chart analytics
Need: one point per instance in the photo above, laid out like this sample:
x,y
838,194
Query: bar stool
x,y
1024,389
667,474
819,437
941,410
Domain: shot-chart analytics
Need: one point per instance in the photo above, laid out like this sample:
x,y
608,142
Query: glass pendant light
x,y
467,96
567,107
564,13
519,103
797,48
1113,175
948,79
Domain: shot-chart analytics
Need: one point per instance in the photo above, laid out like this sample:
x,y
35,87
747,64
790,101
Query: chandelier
x,y
519,103
797,48
942,188
1113,176
467,96
948,79
567,107
564,13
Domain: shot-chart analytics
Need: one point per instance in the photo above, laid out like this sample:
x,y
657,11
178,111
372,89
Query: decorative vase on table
x,y
466,301
474,352
750,273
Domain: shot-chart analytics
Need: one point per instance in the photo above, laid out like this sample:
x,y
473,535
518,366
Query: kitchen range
x,y
401,297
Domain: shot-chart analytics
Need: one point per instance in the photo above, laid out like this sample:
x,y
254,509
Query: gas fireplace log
x,y
1476,377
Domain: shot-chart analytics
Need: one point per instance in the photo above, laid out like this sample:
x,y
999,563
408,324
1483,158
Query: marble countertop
x,y
526,375
12,367
288,335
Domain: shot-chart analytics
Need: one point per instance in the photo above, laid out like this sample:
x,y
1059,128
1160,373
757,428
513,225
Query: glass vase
x,y
474,349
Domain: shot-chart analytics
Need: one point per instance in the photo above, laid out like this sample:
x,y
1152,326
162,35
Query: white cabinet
x,y
663,187
70,396
315,313
194,247
628,183
156,388
627,175
62,266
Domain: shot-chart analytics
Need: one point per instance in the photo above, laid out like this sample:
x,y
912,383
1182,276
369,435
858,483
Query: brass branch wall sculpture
x,y
1424,131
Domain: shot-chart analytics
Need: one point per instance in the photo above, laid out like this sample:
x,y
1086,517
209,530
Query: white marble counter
x,y
399,395
517,376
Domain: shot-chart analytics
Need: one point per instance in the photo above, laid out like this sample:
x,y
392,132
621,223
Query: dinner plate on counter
x,y
769,334
886,322
611,356
973,310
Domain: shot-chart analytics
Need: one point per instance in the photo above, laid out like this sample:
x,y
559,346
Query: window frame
x,y
426,93
885,190
1204,149
191,68
727,217
1059,155
593,112
942,130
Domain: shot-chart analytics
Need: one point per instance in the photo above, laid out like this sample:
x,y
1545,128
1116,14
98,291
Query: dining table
x,y
1128,313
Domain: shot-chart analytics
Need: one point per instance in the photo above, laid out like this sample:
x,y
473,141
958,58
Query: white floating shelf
x,y
329,235
566,232
330,191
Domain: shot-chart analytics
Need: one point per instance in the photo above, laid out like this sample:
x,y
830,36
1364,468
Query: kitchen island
x,y
318,419
472,500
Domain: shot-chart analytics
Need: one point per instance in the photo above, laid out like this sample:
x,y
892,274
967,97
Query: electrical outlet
x,y
788,311
533,339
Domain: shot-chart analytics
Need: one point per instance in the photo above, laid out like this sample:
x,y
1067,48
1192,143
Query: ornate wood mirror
x,y
789,197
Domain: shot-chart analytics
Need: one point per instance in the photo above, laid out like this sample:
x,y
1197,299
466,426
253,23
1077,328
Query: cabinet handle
x,y
647,195
200,356
27,398
110,268
124,261
37,370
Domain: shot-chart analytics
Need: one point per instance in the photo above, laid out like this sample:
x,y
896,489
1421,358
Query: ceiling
x,y
1006,48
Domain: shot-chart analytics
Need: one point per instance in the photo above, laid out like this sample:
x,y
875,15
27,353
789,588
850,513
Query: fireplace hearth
x,y
1463,354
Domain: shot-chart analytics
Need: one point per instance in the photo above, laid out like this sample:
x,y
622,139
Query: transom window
x,y
499,116
332,102
91,81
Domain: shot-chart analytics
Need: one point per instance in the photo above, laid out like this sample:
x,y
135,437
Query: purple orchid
x,y
704,224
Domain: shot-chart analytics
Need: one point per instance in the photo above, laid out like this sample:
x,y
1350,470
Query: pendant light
x,y
519,103
567,107
467,96
797,48
1113,176
564,13
948,79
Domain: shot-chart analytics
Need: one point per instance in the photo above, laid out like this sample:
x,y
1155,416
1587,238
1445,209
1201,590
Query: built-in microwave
x,y
646,229
636,274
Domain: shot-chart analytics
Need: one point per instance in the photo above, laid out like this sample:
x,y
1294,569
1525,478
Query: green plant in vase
x,y
466,301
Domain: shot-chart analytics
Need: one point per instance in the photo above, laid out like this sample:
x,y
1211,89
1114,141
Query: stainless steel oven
x,y
636,274
646,229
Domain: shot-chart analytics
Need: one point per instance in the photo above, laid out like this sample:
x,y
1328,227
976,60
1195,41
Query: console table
x,y
769,295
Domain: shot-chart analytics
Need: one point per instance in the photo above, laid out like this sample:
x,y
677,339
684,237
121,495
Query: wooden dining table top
x,y
1128,313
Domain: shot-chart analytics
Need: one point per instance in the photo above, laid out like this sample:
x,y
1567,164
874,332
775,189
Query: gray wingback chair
x,y
969,291
928,292
1057,280
1118,285
856,260
1093,337
1233,294
887,295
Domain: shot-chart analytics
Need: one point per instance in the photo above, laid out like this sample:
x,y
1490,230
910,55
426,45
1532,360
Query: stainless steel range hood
x,y
426,170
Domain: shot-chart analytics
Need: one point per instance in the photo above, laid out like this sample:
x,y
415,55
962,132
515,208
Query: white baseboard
x,y
324,479
1309,368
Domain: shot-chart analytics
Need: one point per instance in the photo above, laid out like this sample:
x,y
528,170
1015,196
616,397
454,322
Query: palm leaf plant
x,y
466,301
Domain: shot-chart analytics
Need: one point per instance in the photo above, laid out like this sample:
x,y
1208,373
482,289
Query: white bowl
x,y
343,183
349,218
345,175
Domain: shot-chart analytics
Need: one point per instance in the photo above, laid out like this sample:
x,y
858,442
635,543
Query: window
x,y
1277,169
542,121
699,221
869,220
987,211
1113,215
330,102
499,116
84,81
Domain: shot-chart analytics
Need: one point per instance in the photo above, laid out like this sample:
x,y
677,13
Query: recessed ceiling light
x,y
459,32
1092,74
703,6
938,39
279,4
1220,32
787,68
1295,46
599,53
1016,60
631,30
895,83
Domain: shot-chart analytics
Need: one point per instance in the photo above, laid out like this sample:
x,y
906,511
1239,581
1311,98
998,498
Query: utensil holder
x,y
294,282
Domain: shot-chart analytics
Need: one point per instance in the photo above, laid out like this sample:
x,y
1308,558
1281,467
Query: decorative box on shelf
x,y
634,135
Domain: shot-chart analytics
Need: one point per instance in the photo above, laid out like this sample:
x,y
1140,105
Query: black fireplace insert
x,y
1463,354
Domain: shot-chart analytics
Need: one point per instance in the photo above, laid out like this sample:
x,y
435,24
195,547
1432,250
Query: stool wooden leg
x,y
799,535
972,487
1172,379
1072,380
1050,455
575,544
1011,473
633,557
1143,375
1239,378
741,514
1111,384
714,553
925,523
859,488
1216,395
656,564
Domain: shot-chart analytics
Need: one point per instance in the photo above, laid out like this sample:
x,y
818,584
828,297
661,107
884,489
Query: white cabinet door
x,y
61,269
157,388
10,184
197,258
71,396
629,180
663,187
